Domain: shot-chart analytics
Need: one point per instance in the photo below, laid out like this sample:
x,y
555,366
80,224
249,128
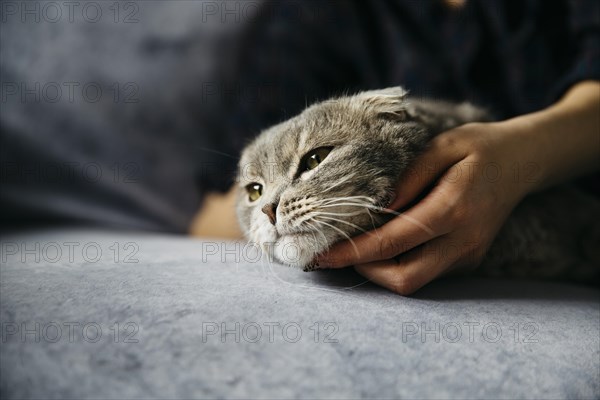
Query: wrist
x,y
561,141
522,146
515,150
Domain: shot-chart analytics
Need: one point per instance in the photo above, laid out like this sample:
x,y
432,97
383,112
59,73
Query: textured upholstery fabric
x,y
90,314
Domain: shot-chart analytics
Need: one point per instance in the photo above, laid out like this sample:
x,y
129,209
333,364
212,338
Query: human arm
x,y
466,206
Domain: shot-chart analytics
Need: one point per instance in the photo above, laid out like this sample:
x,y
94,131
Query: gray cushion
x,y
171,298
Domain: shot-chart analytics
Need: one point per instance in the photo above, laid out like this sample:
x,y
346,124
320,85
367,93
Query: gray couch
x,y
100,314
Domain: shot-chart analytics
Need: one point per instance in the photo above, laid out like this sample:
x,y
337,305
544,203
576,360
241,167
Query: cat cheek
x,y
263,232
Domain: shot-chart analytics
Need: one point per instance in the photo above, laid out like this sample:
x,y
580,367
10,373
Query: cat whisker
x,y
343,222
340,231
316,229
368,210
216,152
341,181
314,237
386,210
382,210
344,198
367,207
370,206
403,215
342,214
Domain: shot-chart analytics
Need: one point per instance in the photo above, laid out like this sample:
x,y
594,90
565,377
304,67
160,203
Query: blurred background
x,y
124,113
128,113
106,112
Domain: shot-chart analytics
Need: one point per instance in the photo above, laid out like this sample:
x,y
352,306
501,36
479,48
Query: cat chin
x,y
297,250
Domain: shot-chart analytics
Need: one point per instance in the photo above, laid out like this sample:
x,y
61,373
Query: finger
x,y
423,222
441,154
411,271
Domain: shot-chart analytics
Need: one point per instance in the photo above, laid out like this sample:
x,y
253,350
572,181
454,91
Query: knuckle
x,y
403,285
444,141
479,148
388,247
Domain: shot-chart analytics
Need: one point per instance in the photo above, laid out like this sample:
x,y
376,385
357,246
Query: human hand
x,y
475,173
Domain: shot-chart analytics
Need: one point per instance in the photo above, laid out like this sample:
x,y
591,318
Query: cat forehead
x,y
285,137
277,150
324,121
271,153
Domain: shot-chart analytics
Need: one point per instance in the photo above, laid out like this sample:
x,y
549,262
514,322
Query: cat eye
x,y
313,158
254,191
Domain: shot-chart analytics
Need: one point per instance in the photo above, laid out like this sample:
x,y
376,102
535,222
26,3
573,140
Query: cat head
x,y
323,175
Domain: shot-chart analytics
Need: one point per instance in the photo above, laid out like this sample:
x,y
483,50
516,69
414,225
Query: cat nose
x,y
270,209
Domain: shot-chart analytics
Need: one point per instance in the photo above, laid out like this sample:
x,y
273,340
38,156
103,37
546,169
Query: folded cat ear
x,y
388,102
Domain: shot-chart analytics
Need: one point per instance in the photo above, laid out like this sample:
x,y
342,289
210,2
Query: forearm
x,y
562,141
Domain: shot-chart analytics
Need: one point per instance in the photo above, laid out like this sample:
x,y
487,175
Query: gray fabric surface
x,y
180,290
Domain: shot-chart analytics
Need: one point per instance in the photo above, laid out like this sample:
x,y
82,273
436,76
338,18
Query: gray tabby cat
x,y
324,176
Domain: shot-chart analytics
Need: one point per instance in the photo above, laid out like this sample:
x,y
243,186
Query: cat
x,y
326,174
